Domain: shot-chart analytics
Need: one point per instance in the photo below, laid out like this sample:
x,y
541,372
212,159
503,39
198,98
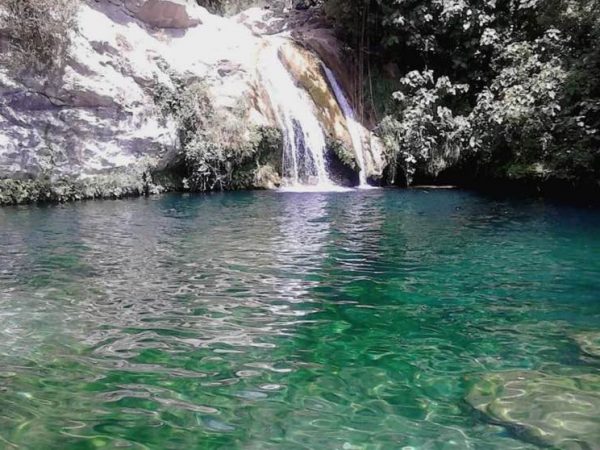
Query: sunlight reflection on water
x,y
270,320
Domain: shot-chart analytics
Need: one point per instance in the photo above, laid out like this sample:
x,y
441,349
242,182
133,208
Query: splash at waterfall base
x,y
271,114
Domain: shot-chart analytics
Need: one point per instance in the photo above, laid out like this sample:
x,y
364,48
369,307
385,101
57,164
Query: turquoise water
x,y
381,319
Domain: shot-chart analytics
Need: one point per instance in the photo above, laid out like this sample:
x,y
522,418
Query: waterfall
x,y
303,136
354,127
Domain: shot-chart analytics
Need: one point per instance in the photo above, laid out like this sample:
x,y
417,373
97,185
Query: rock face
x,y
307,70
97,115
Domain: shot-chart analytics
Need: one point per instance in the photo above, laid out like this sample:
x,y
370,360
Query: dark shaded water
x,y
361,320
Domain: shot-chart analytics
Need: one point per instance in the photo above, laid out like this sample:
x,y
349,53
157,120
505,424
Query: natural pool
x,y
380,319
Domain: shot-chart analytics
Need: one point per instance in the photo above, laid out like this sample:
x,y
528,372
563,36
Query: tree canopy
x,y
507,89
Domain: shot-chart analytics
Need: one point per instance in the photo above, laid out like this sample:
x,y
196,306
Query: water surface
x,y
356,320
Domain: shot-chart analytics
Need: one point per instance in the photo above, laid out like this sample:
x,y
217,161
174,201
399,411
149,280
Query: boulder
x,y
167,14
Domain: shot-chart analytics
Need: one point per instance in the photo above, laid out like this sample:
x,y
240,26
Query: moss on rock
x,y
258,168
267,177
341,164
118,184
344,154
261,170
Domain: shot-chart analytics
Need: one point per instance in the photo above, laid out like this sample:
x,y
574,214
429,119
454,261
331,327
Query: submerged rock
x,y
556,410
589,343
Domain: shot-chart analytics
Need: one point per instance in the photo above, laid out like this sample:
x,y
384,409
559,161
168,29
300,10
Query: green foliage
x,y
262,168
514,118
516,92
346,156
219,150
38,31
424,133
45,188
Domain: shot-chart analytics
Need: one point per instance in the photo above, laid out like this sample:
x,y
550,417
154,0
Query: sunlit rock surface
x,y
561,411
97,114
306,68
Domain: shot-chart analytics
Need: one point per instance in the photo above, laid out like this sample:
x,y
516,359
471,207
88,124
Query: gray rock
x,y
166,14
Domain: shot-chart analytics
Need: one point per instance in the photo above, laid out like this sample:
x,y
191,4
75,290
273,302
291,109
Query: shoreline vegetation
x,y
126,185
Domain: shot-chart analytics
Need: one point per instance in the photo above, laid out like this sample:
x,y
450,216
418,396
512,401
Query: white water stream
x,y
354,127
304,165
304,139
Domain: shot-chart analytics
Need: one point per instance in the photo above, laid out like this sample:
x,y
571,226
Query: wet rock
x,y
375,160
341,164
306,69
262,21
227,68
562,411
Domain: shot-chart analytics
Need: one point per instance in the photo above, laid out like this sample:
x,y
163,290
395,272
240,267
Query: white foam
x,y
353,126
306,188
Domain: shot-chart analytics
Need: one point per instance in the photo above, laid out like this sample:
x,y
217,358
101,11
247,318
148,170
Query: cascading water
x,y
304,139
353,126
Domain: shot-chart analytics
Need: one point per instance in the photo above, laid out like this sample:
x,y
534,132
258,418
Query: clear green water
x,y
359,320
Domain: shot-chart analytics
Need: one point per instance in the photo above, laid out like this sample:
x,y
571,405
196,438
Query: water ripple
x,y
354,320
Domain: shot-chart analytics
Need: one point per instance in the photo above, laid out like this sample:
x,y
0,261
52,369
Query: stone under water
x,y
589,343
562,411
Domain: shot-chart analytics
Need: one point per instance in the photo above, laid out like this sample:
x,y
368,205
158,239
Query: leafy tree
x,y
507,88
424,132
